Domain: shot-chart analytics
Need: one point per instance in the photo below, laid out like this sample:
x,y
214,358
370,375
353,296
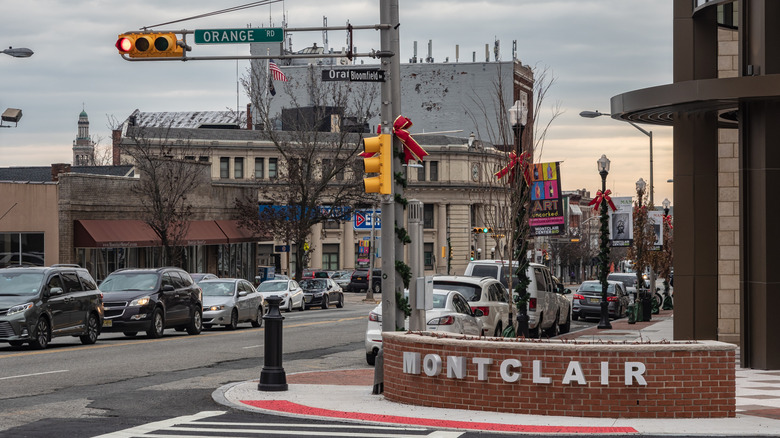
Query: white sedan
x,y
288,290
451,313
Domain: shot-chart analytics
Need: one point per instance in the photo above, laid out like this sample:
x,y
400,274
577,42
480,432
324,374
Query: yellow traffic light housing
x,y
381,164
150,45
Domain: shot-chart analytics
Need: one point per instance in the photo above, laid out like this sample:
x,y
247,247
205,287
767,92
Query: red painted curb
x,y
295,408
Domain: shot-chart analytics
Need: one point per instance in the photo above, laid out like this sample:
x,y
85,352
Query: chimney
x,y
57,169
116,152
249,116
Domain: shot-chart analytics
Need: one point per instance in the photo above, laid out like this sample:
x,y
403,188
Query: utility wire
x,y
222,11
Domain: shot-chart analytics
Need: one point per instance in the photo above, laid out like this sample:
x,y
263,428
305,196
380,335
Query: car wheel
x,y
377,288
196,323
340,302
41,336
575,316
536,332
566,327
233,320
553,330
498,331
16,343
158,325
289,305
258,321
130,334
325,303
371,358
303,305
92,330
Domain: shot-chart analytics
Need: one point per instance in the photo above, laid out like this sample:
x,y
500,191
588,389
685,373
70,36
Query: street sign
x,y
238,36
354,75
281,248
362,219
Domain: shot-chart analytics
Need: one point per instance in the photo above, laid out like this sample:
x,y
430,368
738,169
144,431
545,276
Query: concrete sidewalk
x,y
345,395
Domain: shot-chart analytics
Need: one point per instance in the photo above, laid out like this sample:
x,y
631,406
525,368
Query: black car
x,y
40,303
151,300
321,292
359,281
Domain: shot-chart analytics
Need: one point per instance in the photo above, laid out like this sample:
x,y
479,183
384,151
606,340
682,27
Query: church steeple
x,y
83,146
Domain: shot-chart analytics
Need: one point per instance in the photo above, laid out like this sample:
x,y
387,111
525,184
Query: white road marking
x,y
34,374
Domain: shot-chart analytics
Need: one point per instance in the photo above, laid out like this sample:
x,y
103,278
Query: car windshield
x,y
471,292
20,283
272,286
217,288
314,284
596,287
130,281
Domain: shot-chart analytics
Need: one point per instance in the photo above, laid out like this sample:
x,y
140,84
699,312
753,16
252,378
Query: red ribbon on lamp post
x,y
510,168
412,150
601,197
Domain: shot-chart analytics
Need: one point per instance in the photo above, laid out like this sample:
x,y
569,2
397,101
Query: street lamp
x,y
593,115
19,52
603,166
14,114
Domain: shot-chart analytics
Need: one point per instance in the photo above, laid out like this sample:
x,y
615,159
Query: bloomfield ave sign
x,y
354,75
238,36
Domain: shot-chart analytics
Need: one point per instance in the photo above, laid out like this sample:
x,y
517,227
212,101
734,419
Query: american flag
x,y
276,72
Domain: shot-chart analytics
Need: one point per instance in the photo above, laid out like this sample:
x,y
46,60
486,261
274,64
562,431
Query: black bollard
x,y
273,378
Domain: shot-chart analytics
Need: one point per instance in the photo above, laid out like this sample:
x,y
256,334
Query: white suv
x,y
486,294
545,313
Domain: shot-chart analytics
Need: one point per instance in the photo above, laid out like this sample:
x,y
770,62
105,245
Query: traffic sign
x,y
362,219
281,248
354,75
238,36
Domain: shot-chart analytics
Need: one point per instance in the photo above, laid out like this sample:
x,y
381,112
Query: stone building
x,y
83,146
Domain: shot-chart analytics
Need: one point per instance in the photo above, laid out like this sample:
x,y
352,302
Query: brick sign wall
x,y
649,380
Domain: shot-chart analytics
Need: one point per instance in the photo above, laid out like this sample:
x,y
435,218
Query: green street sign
x,y
239,36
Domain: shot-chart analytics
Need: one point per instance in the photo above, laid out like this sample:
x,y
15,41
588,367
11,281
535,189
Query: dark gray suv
x,y
151,300
40,303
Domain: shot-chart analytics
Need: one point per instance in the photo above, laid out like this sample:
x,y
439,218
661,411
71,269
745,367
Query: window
x,y
327,167
259,168
428,216
331,224
330,257
421,172
71,281
21,249
428,255
272,168
224,167
434,171
238,168
203,158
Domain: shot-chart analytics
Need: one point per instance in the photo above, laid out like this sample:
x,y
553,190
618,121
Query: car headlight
x,y
19,308
140,301
214,308
317,294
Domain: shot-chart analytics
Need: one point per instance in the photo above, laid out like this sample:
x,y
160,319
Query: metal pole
x,y
415,212
273,377
604,322
395,100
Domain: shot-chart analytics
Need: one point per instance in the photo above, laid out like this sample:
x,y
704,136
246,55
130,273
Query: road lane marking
x,y
33,374
151,427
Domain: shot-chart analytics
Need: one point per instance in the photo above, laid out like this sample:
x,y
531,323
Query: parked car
x,y
451,313
321,292
544,305
484,293
359,281
151,300
230,301
288,290
586,301
342,278
41,303
200,276
628,279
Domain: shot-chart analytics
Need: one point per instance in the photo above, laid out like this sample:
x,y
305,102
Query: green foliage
x,y
403,235
405,271
402,304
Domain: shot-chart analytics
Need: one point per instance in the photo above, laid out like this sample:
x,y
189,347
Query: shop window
x,y
21,249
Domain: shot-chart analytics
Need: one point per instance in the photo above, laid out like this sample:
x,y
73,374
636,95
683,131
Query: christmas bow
x,y
668,221
600,197
412,149
510,168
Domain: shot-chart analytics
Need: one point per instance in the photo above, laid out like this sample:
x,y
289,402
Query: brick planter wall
x,y
683,380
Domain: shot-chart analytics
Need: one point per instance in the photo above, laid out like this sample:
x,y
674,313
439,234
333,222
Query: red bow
x,y
602,197
510,168
668,221
412,150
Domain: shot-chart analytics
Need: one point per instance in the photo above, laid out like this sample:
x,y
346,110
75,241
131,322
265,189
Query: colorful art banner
x,y
546,218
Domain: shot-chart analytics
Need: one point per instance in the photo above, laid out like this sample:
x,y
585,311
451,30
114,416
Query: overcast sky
x,y
595,49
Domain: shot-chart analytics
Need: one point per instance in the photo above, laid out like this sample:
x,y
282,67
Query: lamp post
x,y
667,248
14,114
603,166
593,115
518,118
639,243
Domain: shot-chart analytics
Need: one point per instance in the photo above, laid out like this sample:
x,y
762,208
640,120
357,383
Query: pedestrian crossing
x,y
207,424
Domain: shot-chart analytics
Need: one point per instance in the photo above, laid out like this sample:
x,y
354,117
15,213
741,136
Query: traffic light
x,y
381,164
149,45
481,230
472,255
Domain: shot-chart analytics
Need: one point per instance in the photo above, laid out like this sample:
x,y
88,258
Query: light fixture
x,y
666,203
471,140
641,185
603,164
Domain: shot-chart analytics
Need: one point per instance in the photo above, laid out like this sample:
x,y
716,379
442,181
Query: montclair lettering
x,y
458,367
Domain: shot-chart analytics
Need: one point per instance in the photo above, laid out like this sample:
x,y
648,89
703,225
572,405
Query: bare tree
x,y
320,173
166,180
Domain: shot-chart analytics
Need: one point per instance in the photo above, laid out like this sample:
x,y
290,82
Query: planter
x,y
611,380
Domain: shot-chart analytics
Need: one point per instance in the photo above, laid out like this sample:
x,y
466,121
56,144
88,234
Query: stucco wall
x,y
30,207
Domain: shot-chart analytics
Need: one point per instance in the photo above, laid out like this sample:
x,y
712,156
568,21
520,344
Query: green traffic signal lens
x,y
484,230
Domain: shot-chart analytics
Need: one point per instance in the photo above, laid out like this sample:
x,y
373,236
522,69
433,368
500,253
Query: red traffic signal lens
x,y
124,45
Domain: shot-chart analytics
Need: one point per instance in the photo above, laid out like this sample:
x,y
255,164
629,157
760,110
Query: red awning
x,y
113,234
235,233
204,233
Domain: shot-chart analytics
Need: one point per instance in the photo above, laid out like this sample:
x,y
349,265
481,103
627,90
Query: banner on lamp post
x,y
546,217
621,223
656,219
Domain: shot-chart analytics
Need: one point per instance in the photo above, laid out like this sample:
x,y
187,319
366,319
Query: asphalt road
x,y
72,390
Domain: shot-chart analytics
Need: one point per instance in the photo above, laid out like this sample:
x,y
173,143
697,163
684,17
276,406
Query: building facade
x,y
83,146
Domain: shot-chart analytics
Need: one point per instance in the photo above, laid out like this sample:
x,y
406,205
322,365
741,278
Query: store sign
x,y
458,367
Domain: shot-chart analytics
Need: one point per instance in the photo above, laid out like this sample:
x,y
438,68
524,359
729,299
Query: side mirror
x,y
567,291
242,293
168,288
479,313
55,291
